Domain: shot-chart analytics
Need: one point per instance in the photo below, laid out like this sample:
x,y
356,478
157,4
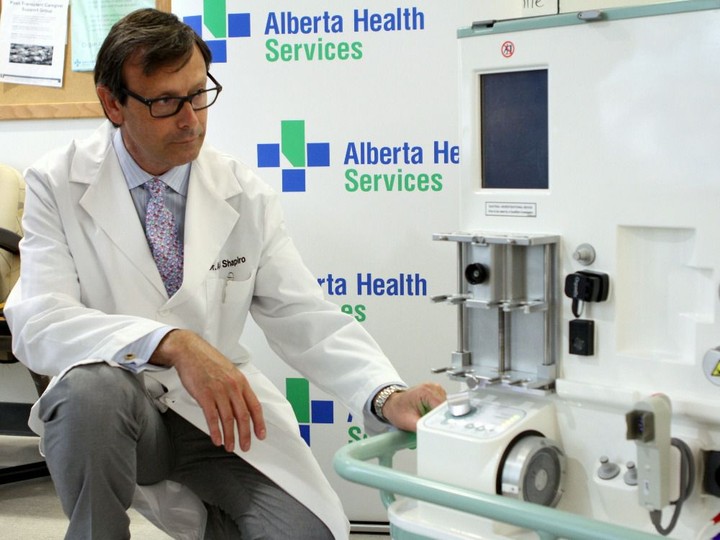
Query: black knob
x,y
476,273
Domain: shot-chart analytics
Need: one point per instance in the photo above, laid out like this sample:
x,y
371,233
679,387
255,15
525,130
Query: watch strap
x,y
381,397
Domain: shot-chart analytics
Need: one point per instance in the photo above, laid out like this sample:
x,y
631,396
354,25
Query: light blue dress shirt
x,y
177,180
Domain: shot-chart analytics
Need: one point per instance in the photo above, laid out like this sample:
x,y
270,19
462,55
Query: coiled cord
x,y
687,483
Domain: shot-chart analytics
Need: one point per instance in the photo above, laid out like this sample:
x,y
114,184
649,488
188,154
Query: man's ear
x,y
110,104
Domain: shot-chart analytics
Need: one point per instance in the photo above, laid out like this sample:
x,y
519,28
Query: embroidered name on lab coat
x,y
228,263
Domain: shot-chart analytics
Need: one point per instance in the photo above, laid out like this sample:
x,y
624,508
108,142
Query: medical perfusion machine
x,y
588,275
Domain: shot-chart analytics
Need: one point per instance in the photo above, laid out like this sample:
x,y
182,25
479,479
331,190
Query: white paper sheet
x,y
91,22
33,37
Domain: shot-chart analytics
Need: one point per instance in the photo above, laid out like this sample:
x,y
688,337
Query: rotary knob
x,y
459,404
476,273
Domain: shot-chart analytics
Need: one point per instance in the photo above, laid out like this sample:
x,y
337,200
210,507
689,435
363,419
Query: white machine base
x,y
476,451
414,520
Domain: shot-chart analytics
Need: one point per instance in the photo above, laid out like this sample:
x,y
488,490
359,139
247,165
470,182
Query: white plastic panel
x,y
633,171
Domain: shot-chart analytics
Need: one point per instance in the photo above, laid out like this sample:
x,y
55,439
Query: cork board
x,y
76,98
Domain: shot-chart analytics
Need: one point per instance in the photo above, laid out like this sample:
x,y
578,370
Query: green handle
x,y
549,523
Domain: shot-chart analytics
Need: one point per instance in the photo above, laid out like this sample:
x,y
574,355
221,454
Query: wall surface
x,y
349,110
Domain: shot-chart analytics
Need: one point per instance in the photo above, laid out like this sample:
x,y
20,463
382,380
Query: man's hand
x,y
404,409
220,389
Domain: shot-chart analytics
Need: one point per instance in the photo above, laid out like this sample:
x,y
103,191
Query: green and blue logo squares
x,y
296,151
221,26
307,411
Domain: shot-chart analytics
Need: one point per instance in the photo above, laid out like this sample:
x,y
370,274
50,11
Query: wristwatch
x,y
381,397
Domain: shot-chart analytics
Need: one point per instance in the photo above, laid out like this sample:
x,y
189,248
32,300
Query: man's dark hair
x,y
153,38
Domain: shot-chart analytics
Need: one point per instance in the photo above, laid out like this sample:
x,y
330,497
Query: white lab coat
x,y
89,286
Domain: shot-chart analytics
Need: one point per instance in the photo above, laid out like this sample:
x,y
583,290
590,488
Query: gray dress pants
x,y
103,435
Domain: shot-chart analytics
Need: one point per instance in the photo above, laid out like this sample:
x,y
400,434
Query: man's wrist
x,y
380,399
163,354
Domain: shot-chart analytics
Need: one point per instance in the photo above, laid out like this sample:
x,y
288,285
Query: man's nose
x,y
187,115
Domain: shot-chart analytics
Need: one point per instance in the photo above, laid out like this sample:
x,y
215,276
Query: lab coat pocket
x,y
229,298
237,290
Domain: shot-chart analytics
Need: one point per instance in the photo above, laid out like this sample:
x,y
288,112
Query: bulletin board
x,y
76,98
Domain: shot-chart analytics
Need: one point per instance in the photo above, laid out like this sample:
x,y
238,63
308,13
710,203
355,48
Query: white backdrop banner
x,y
350,111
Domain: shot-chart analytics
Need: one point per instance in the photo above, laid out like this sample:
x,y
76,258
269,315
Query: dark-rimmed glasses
x,y
166,106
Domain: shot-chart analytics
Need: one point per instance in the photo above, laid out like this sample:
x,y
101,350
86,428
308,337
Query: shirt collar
x,y
177,178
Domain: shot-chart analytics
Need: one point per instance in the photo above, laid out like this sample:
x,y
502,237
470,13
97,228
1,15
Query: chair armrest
x,y
10,241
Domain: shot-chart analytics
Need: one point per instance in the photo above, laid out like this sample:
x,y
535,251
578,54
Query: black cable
x,y
687,483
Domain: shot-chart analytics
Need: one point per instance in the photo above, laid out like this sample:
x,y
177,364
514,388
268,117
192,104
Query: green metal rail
x,y
351,462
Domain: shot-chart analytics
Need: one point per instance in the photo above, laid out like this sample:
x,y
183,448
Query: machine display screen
x,y
514,129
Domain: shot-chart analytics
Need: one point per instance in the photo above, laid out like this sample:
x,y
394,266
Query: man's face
x,y
158,144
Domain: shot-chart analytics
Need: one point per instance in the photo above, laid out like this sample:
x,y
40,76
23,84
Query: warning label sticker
x,y
711,366
511,209
716,371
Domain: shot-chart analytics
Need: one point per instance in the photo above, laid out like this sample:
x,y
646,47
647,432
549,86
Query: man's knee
x,y
91,391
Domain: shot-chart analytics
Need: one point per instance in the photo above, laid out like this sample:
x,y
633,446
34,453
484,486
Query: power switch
x,y
582,337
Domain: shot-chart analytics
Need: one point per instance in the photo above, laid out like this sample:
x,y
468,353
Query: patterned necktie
x,y
166,247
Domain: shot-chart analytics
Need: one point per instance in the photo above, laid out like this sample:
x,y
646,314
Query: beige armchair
x,y
13,416
12,198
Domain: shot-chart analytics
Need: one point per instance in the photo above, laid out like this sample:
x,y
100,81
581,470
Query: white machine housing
x,y
504,444
495,421
631,187
634,171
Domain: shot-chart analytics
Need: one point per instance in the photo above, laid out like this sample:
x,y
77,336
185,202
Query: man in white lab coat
x,y
152,386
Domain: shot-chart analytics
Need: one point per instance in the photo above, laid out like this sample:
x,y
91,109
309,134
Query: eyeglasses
x,y
164,107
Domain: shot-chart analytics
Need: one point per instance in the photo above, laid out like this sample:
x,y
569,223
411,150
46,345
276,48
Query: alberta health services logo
x,y
293,154
298,153
221,25
308,412
312,29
